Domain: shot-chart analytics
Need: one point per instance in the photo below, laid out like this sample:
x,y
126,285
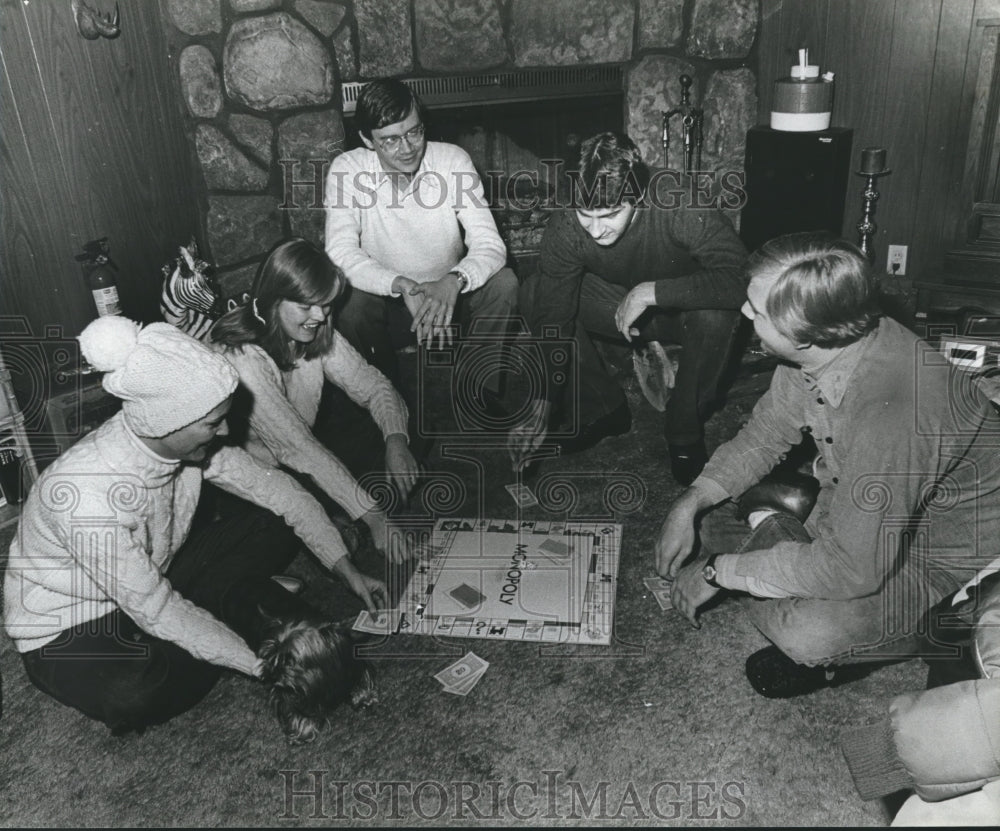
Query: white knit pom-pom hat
x,y
166,379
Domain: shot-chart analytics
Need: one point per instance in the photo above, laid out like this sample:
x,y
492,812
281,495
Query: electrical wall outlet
x,y
895,262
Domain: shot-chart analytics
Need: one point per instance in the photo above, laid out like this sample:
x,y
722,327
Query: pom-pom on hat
x,y
166,379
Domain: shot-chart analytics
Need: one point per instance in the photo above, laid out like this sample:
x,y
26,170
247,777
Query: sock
x,y
757,517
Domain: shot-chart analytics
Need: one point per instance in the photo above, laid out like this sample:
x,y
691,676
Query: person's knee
x,y
135,691
526,293
267,539
359,310
262,522
165,683
713,322
500,292
505,283
811,633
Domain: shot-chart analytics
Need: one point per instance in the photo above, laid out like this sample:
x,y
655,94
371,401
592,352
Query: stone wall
x,y
260,82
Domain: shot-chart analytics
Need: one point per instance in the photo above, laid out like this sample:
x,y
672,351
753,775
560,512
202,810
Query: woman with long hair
x,y
284,346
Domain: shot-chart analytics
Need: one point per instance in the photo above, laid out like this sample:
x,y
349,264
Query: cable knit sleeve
x,y
366,386
289,438
129,577
350,189
485,252
237,472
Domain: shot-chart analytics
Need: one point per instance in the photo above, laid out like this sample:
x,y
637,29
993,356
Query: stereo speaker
x,y
795,182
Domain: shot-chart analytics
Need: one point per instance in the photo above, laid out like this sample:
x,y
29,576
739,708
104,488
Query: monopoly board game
x,y
515,580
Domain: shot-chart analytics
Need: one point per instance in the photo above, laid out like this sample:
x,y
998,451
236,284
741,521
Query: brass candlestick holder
x,y
872,166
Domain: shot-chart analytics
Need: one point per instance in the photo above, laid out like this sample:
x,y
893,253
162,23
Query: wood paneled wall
x,y
902,70
93,145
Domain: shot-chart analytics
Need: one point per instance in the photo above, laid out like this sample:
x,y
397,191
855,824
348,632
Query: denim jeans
x,y
706,337
890,625
113,671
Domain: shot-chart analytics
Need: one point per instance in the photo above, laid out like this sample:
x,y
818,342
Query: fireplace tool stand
x,y
692,119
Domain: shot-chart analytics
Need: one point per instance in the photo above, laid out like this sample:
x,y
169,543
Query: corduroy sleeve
x,y
773,429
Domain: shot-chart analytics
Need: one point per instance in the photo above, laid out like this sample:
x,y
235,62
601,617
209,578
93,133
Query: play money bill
x,y
657,584
522,495
457,674
383,622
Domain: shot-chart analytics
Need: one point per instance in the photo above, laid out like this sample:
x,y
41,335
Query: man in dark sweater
x,y
629,263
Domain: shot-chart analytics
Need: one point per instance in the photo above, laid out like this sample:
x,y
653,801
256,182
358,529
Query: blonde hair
x,y
295,270
825,292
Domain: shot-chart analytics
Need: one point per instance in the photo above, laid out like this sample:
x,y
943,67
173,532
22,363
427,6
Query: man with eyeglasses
x,y
408,222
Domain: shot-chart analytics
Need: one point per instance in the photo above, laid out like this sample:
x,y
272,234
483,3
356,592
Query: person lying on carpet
x,y
122,609
630,266
284,346
908,510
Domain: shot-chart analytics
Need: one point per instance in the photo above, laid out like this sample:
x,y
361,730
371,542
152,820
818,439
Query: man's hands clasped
x,y
432,306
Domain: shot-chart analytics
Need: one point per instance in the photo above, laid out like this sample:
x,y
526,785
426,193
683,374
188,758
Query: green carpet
x,y
659,729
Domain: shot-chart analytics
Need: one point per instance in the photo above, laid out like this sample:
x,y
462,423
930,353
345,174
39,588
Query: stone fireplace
x,y
269,87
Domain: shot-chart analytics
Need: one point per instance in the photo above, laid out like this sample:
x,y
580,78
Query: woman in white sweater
x,y
284,346
117,608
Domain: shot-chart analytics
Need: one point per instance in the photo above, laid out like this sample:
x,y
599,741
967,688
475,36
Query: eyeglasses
x,y
391,144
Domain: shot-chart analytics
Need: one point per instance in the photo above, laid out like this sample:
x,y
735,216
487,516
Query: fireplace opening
x,y
522,151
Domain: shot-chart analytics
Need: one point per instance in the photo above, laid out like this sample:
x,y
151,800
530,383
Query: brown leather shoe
x,y
790,493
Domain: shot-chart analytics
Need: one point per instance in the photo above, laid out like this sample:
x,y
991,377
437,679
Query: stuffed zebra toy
x,y
190,299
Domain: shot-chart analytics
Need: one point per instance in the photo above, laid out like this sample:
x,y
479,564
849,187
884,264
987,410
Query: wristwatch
x,y
463,281
709,572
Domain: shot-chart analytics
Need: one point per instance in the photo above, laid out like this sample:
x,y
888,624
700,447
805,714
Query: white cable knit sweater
x,y
284,407
101,526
